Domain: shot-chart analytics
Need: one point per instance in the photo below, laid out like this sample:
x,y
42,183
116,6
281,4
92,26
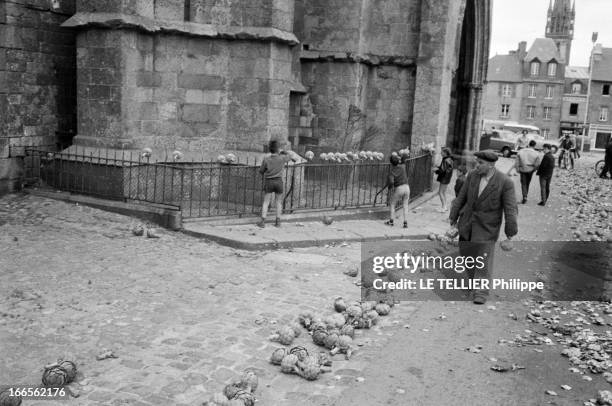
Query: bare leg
x,y
279,204
442,194
405,207
266,204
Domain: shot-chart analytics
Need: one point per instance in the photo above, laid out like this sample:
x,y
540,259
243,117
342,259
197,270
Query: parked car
x,y
503,141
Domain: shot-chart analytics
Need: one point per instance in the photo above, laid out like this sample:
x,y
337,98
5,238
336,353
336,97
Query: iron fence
x,y
207,189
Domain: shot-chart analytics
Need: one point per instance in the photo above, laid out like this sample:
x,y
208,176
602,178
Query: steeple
x,y
560,26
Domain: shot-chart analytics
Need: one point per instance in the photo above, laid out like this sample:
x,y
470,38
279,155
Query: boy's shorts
x,y
273,185
401,193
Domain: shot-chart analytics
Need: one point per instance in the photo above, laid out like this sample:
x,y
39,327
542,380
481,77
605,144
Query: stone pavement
x,y
183,316
424,218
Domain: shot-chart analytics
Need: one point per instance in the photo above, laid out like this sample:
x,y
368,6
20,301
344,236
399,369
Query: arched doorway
x,y
469,77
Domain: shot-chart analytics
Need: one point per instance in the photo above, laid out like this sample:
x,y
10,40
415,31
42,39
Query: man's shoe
x,y
261,223
541,204
524,201
277,222
405,224
480,300
389,223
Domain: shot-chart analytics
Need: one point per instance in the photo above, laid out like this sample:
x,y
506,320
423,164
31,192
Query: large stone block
x,y
148,79
199,81
171,10
168,111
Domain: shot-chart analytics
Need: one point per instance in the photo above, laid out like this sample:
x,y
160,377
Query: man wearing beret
x,y
487,197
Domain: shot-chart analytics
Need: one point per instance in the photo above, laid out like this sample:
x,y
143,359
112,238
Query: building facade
x,y
573,108
211,76
526,86
599,118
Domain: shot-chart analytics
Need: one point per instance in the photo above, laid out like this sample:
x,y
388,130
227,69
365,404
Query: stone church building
x,y
209,76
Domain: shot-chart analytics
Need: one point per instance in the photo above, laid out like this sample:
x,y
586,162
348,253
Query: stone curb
x,y
275,245
279,244
163,216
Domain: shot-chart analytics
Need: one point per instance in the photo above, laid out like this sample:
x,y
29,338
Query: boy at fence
x,y
399,189
272,169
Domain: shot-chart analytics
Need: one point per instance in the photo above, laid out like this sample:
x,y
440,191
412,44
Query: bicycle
x,y
599,166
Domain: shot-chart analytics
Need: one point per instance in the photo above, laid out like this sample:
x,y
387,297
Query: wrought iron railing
x,y
206,189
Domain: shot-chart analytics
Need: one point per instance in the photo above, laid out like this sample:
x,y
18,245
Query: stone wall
x,y
359,106
379,72
37,74
171,92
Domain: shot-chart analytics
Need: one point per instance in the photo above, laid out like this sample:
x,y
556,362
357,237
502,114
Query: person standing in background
x,y
527,161
445,173
545,172
400,191
272,169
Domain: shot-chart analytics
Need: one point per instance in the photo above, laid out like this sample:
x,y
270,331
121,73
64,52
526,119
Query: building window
x,y
531,111
546,133
603,114
573,109
576,88
506,90
535,68
547,113
605,90
552,69
505,110
532,90
550,92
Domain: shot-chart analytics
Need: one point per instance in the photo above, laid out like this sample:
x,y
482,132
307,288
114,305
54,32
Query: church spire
x,y
560,25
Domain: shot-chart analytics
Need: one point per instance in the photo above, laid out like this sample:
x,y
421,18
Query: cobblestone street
x,y
183,316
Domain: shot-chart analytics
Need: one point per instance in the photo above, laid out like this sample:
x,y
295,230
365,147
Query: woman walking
x,y
445,173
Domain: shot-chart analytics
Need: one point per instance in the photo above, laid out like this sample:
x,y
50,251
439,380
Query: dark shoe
x,y
480,300
541,204
261,223
389,223
277,222
524,201
405,224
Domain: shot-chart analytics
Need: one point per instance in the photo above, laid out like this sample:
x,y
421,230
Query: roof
x,y
544,49
504,68
576,72
602,69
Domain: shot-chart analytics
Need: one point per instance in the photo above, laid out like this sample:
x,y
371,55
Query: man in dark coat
x,y
608,161
485,199
545,172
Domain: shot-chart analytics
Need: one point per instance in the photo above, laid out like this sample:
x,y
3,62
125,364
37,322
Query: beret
x,y
487,155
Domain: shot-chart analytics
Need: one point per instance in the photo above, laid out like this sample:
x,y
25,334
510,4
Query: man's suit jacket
x,y
480,217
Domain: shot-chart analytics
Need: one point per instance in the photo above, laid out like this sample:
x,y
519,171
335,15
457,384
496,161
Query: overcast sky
x,y
525,20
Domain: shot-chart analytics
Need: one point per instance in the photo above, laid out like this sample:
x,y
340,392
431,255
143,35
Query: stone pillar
x,y
437,59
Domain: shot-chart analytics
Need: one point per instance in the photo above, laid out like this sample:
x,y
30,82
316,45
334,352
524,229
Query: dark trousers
x,y
484,249
525,182
607,168
545,187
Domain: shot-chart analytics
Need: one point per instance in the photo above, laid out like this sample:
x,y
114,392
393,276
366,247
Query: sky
x,y
525,20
